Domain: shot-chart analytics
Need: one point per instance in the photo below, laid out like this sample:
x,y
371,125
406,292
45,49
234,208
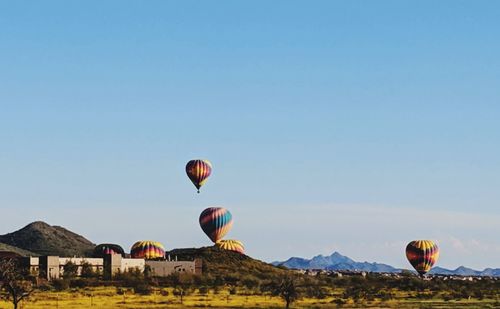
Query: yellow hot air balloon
x,y
231,245
148,249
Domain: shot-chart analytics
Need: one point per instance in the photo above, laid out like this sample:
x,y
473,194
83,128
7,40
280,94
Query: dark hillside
x,y
44,239
219,262
21,252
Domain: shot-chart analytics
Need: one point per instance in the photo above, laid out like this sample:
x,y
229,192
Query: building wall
x,y
52,267
33,264
130,264
115,263
112,264
97,264
198,266
49,267
165,268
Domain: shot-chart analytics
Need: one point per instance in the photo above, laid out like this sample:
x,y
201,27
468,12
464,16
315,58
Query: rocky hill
x,y
43,239
222,262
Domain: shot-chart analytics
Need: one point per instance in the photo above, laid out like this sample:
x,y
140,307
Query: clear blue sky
x,y
351,126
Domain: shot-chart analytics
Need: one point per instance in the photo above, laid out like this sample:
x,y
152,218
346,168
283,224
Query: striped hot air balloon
x,y
231,245
105,249
216,222
147,249
198,171
422,255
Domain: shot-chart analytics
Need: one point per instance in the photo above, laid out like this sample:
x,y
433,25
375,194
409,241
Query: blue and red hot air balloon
x,y
216,222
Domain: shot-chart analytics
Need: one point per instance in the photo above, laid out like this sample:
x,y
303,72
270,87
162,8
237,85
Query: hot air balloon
x,y
231,245
147,249
422,255
105,249
198,171
216,222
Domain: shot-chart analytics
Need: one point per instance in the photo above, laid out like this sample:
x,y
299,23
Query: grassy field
x,y
108,297
252,285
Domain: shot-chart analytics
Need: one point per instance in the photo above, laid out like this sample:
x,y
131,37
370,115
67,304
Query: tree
x,y
148,272
182,284
131,278
88,271
287,290
70,271
12,281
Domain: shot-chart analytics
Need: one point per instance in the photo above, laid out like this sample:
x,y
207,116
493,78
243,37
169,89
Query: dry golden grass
x,y
107,297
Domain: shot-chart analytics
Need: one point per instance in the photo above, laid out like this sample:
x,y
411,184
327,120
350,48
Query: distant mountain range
x,y
337,262
464,271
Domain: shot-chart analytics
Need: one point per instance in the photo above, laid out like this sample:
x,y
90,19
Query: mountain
x,y
337,261
494,272
44,239
464,271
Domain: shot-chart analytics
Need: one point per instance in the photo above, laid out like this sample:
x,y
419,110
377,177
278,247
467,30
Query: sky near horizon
x,y
347,126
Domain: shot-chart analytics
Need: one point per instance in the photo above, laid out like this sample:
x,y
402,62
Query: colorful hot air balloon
x,y
216,222
231,245
147,249
198,171
105,249
422,255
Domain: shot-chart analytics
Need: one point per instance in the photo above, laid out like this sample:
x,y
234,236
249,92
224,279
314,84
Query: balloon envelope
x,y
198,171
216,222
422,255
105,249
147,249
231,245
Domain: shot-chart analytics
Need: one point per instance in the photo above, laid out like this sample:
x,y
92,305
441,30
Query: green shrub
x,y
143,289
70,271
60,284
203,290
